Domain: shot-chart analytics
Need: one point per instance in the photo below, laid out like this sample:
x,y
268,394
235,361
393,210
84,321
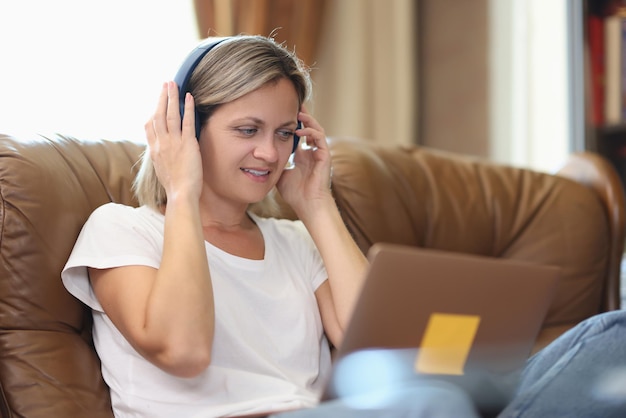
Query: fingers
x,y
189,118
158,120
166,119
173,108
312,130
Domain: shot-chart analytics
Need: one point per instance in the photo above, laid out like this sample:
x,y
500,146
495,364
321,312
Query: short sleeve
x,y
114,236
317,270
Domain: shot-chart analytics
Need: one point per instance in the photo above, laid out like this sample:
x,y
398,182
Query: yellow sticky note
x,y
446,343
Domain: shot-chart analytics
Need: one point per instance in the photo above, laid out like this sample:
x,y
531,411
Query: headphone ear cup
x,y
196,114
296,138
198,123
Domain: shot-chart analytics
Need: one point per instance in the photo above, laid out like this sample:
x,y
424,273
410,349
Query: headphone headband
x,y
186,69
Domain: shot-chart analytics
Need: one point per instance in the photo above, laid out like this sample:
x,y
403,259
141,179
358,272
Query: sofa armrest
x,y
598,174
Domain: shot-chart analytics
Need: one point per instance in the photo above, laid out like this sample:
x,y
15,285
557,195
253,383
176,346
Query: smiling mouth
x,y
257,173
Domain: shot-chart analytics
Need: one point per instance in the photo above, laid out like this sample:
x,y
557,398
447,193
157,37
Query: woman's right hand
x,y
175,152
167,313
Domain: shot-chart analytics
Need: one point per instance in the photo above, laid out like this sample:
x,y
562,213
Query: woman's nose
x,y
266,149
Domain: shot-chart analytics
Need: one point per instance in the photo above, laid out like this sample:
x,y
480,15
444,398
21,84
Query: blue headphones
x,y
184,75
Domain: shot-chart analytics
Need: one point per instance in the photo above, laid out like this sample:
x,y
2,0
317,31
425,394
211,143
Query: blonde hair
x,y
231,69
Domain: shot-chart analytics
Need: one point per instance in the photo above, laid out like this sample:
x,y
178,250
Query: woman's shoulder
x,y
118,210
280,226
286,233
111,209
111,214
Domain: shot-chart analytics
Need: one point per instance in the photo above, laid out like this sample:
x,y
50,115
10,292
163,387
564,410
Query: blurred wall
x,y
453,83
365,73
404,71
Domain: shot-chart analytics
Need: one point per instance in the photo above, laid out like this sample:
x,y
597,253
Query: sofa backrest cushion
x,y
48,188
435,199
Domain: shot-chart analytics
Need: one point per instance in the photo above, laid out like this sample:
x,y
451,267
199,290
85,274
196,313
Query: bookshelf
x,y
604,29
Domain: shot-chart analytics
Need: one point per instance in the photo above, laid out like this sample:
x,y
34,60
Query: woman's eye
x,y
247,131
285,134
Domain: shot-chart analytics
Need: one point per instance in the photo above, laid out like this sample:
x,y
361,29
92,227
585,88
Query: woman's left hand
x,y
308,184
306,188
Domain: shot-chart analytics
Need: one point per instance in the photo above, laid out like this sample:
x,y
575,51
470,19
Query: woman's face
x,y
246,143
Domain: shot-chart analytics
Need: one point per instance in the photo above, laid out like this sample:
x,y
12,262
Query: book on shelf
x,y
605,53
615,68
595,51
605,85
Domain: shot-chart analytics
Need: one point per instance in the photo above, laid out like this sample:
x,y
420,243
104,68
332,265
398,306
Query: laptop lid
x,y
466,319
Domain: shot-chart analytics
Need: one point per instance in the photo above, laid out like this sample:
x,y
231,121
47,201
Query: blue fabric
x,y
581,374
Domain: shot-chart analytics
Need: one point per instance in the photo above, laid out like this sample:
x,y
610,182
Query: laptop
x,y
462,319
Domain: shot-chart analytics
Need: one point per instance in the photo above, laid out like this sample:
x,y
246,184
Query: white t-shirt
x,y
269,348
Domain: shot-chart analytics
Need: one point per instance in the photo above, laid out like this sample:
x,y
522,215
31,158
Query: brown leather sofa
x,y
414,196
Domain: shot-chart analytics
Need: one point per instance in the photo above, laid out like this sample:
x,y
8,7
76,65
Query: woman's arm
x,y
167,314
307,190
346,266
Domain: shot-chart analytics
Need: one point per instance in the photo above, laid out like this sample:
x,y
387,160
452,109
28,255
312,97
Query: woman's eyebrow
x,y
259,121
290,124
247,119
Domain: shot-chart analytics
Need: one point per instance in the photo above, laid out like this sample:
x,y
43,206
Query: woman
x,y
201,307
